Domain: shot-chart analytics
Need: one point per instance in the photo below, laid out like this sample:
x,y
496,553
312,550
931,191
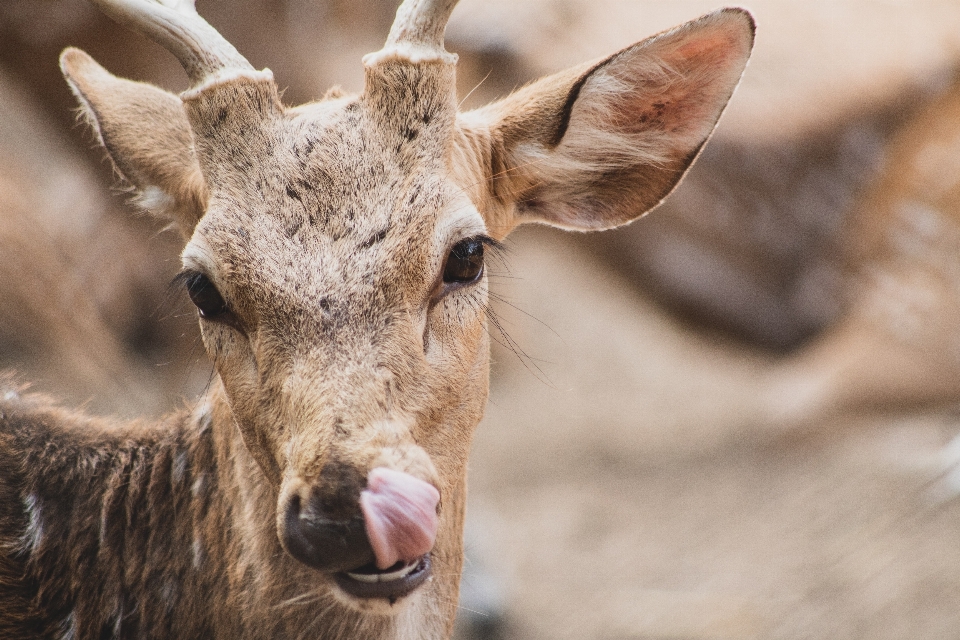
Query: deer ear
x,y
145,132
600,145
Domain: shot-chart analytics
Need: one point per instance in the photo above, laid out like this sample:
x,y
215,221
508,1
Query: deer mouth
x,y
391,584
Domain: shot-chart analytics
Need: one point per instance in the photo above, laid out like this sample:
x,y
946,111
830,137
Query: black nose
x,y
325,538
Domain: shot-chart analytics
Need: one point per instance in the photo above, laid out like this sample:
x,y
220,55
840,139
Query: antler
x,y
417,33
176,26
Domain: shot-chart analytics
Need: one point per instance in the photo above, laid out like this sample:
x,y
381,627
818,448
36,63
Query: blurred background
x,y
734,418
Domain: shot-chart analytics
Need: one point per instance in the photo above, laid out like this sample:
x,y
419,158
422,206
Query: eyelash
x,y
204,294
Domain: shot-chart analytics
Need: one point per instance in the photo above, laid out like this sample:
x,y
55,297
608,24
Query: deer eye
x,y
204,294
465,262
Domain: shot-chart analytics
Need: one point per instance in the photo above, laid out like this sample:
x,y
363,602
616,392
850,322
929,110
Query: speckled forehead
x,y
336,196
334,168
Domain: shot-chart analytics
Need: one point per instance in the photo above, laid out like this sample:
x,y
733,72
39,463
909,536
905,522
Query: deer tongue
x,y
400,512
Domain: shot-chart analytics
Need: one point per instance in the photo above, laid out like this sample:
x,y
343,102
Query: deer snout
x,y
348,522
322,535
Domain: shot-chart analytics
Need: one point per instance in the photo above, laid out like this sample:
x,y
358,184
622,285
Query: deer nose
x,y
335,526
324,538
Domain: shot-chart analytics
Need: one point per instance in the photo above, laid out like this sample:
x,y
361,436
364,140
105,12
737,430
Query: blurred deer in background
x,y
66,315
896,343
335,254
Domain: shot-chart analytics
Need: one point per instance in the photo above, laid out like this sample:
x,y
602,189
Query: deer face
x,y
341,292
335,251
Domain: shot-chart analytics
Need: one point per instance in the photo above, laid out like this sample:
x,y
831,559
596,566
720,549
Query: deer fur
x,y
341,348
894,346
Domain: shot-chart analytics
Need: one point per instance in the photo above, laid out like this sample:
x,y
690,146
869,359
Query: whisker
x,y
477,86
303,598
503,300
509,343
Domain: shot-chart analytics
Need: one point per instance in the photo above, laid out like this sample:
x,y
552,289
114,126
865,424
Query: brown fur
x,y
895,344
326,229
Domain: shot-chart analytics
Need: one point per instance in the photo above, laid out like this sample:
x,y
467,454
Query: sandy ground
x,y
624,484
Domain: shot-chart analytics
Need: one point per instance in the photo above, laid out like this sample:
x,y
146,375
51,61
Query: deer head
x,y
335,251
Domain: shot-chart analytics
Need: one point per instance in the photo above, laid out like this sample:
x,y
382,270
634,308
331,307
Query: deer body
x,y
895,344
335,255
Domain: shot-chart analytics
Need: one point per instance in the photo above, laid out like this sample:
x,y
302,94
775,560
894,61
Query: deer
x,y
335,254
63,312
893,345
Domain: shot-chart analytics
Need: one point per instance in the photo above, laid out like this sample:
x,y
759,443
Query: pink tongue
x,y
400,512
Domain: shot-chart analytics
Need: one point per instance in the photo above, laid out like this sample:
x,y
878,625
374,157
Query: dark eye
x,y
465,262
203,294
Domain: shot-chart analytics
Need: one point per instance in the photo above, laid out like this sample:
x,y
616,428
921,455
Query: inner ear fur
x,y
147,136
599,145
